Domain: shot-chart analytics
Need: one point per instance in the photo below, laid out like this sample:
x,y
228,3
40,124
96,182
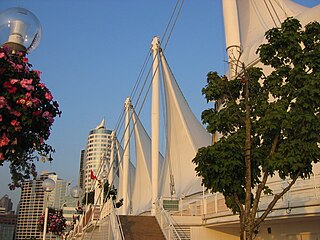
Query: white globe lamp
x,y
20,30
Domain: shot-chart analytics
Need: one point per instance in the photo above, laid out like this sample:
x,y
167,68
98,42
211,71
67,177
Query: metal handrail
x,y
166,223
115,222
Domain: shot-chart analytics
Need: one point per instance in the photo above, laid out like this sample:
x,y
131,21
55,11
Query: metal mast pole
x,y
232,34
126,158
111,164
155,122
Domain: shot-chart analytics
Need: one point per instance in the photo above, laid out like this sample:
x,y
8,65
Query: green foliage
x,y
108,192
284,115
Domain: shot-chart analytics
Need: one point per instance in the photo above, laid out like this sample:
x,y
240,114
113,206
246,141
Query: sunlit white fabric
x,y
142,190
256,17
185,135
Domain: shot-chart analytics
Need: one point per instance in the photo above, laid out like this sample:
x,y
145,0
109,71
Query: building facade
x,y
8,223
6,203
82,168
97,155
33,201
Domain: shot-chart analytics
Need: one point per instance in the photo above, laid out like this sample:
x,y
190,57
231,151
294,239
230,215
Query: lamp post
x,y
76,192
20,31
47,185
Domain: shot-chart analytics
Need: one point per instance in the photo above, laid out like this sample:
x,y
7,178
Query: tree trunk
x,y
248,181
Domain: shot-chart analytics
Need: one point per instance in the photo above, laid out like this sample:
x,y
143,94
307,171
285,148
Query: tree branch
x,y
236,198
258,195
264,180
275,200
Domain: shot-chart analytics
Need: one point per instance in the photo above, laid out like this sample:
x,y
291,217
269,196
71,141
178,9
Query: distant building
x,y
6,203
97,154
8,223
82,168
33,202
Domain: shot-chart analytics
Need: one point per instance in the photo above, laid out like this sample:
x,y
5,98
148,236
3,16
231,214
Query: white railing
x,y
167,224
115,223
206,205
106,216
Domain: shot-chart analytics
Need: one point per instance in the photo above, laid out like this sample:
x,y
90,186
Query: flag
x,y
92,176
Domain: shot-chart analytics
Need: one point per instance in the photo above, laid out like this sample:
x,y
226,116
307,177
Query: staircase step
x,y
141,228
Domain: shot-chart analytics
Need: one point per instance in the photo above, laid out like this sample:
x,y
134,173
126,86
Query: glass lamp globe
x,y
20,29
76,192
48,185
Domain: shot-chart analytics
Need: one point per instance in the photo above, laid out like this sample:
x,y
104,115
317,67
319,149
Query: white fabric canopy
x,y
142,190
256,17
132,171
184,135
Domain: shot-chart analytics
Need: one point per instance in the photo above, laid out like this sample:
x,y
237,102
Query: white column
x,y
155,122
46,213
111,165
232,35
126,159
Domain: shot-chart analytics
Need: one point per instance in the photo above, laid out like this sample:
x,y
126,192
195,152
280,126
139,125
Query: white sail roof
x,y
185,135
256,17
142,190
132,171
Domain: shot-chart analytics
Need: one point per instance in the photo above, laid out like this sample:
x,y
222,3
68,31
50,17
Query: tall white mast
x,y
155,122
232,34
111,164
126,158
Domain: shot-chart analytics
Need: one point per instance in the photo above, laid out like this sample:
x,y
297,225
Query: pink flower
x,y
10,88
46,114
26,83
29,103
3,102
2,55
16,113
1,156
13,81
25,60
0,118
37,72
48,96
21,101
42,85
37,113
4,141
36,101
15,123
17,67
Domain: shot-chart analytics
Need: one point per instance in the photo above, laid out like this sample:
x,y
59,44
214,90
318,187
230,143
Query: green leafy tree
x,y
269,124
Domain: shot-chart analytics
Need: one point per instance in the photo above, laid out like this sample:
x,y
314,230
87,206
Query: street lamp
x,y
20,30
76,192
47,185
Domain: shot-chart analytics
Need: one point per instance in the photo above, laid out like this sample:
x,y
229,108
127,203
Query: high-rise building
x,y
8,223
81,171
6,203
33,202
97,153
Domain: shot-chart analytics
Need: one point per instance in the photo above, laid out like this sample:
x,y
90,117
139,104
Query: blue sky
x,y
91,53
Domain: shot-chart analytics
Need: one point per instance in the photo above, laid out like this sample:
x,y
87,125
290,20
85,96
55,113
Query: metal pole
x,y
155,123
46,213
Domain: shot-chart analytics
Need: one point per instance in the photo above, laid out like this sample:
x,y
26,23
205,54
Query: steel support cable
x,y
275,12
174,23
144,99
157,68
270,13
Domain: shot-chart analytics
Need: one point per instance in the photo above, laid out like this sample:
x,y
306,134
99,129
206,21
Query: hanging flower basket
x,y
27,112
56,222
